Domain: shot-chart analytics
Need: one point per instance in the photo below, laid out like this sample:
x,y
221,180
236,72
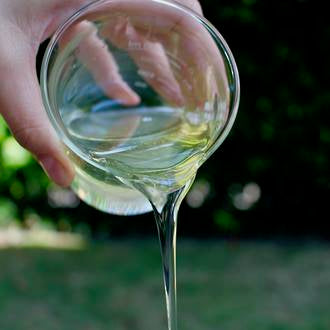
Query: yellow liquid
x,y
155,150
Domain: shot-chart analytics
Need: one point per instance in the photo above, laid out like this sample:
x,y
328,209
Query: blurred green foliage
x,y
271,175
22,183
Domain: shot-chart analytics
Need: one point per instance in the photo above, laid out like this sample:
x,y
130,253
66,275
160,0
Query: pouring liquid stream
x,y
166,221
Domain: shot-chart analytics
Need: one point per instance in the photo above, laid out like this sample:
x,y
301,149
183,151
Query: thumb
x,y
22,108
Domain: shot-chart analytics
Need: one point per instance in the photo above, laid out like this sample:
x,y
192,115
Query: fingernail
x,y
130,99
56,171
127,96
172,92
133,99
175,96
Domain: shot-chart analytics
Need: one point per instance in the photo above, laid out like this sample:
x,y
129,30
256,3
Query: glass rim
x,y
220,41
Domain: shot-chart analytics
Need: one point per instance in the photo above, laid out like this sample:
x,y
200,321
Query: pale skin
x,y
24,25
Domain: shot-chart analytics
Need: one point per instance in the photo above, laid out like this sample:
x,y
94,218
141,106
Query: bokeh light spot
x,y
198,193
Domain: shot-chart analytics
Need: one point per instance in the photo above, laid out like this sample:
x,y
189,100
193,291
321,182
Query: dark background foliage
x,y
280,141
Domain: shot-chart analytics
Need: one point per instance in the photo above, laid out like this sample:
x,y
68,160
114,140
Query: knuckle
x,y
30,137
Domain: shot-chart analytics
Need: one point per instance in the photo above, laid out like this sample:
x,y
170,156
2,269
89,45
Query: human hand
x,y
23,27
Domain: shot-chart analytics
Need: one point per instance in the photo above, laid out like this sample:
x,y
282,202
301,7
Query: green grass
x,y
221,285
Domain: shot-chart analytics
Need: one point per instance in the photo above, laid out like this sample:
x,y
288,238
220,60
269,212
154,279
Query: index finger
x,y
184,34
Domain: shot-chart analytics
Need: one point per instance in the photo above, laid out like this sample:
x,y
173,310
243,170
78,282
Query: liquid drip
x,y
166,220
